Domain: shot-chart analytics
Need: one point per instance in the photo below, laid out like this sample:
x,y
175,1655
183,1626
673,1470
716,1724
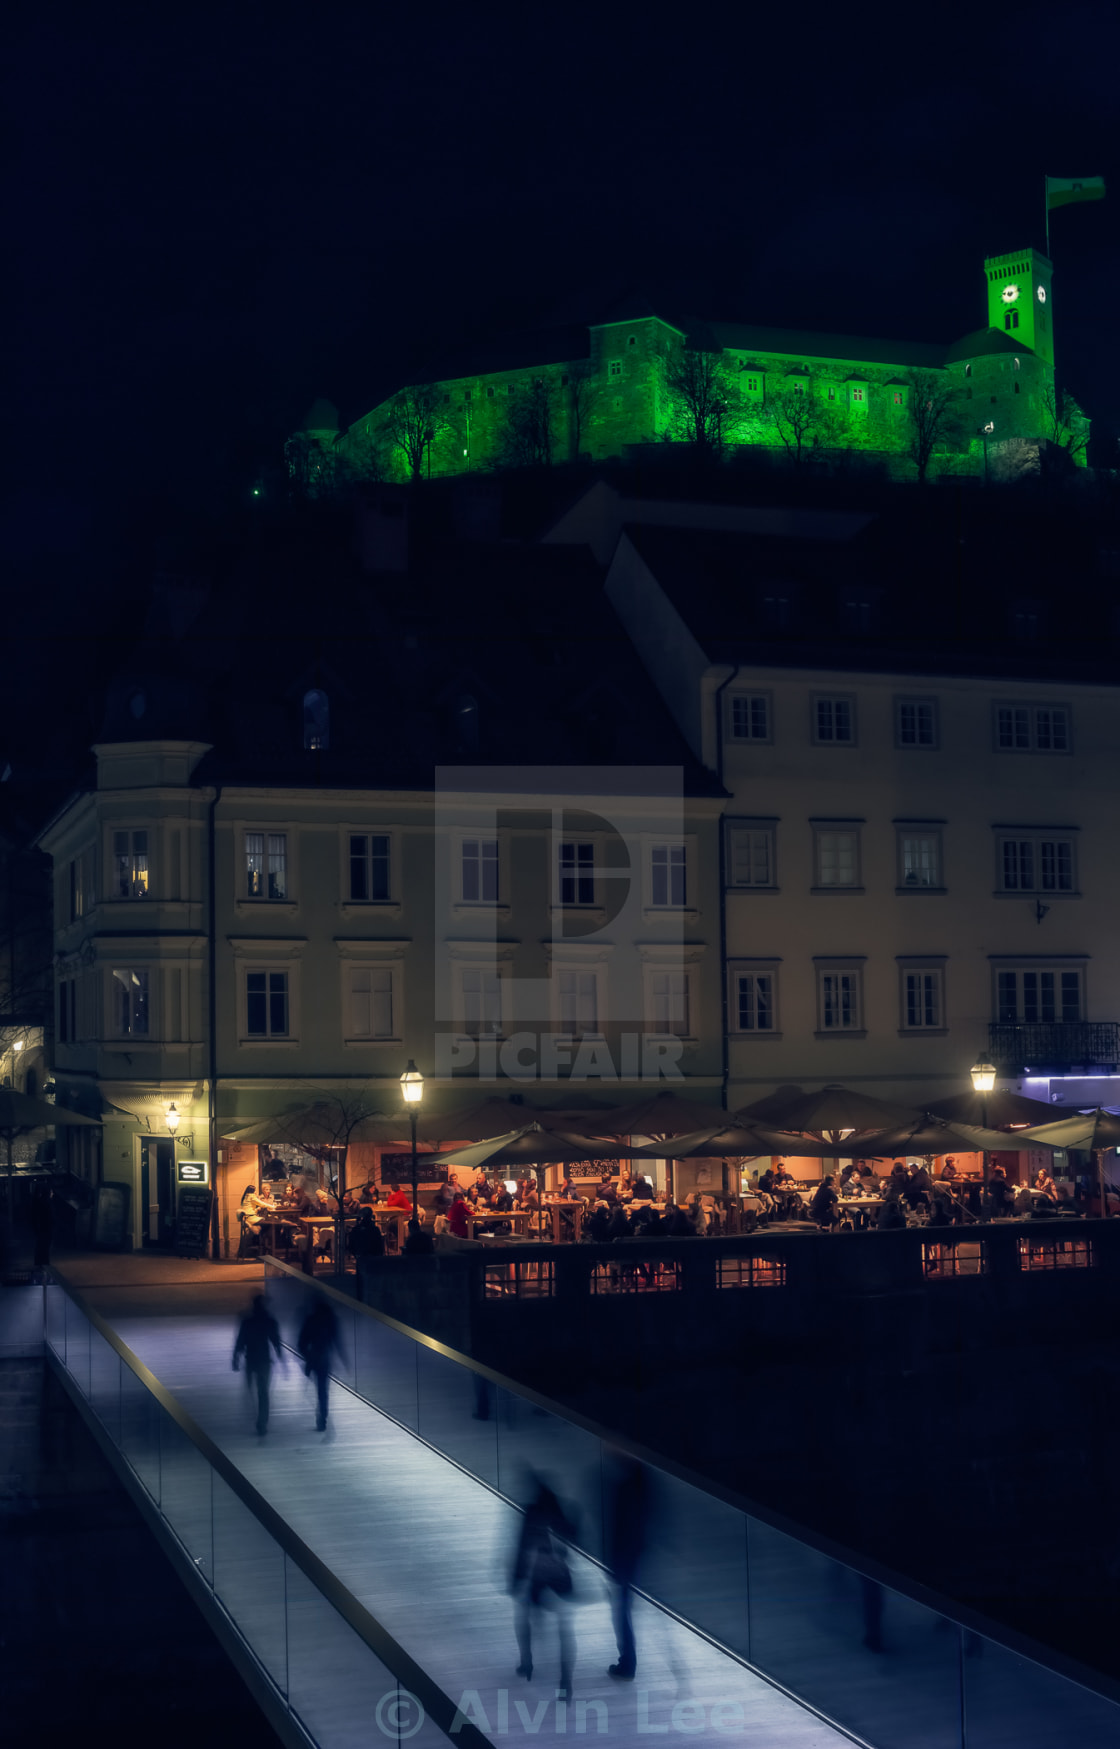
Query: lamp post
x,y
983,1074
412,1089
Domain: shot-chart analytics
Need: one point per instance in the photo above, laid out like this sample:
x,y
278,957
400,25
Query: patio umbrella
x,y
932,1135
991,1111
20,1113
1095,1131
829,1111
735,1140
531,1146
666,1114
322,1125
496,1117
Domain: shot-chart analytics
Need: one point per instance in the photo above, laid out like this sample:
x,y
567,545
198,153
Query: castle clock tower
x,y
1019,300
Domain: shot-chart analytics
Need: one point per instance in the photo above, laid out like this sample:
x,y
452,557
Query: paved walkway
x,y
426,1548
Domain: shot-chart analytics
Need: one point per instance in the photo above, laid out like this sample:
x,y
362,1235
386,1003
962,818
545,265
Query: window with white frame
x,y
1035,862
836,855
370,1002
915,722
370,867
750,855
576,872
577,995
670,1002
840,998
754,1000
1029,995
266,865
834,719
267,1005
478,871
130,988
923,998
1033,728
668,875
481,1001
131,872
919,858
748,716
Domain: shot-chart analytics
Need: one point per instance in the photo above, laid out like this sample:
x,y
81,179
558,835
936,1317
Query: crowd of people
x,y
908,1194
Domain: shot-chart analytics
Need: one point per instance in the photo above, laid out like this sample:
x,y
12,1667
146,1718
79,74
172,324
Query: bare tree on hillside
x,y
1065,421
932,411
799,418
528,436
583,391
413,420
698,385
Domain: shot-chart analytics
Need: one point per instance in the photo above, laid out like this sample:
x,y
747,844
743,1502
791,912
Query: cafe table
x,y
518,1219
577,1208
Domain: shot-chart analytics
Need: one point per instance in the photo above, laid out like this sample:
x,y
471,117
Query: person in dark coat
x,y
541,1580
891,1214
42,1223
825,1205
627,1514
366,1238
618,1225
258,1336
419,1243
676,1224
318,1340
598,1227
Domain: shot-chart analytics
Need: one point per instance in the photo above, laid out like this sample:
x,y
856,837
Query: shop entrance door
x,y
157,1166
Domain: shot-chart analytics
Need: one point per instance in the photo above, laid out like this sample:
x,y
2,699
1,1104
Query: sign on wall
x,y
192,1172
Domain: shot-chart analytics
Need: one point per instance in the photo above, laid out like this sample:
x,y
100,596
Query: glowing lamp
x,y
17,1044
511,1183
173,1115
983,1074
412,1084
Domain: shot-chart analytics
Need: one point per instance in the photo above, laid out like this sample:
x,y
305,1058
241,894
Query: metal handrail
x,y
1009,1638
437,1705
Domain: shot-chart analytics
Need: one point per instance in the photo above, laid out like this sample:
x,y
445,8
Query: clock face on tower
x,y
1042,294
1010,293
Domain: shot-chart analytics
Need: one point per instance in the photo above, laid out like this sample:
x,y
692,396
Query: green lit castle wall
x,y
607,392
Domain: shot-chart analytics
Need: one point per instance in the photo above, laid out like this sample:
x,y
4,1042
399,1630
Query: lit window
x,y
754,1002
371,1002
839,1000
266,1004
749,716
517,1281
577,874
942,1261
668,885
369,867
1055,1254
480,871
266,865
834,721
635,1277
1033,996
915,722
923,1004
750,1272
898,398
750,856
837,857
1036,864
316,722
130,865
859,394
130,1000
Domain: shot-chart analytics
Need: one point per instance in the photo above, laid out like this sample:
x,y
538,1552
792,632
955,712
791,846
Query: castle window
x,y
968,370
616,367
316,722
859,394
510,389
898,397
490,394
466,397
1011,320
617,403
1015,364
832,391
1016,388
632,341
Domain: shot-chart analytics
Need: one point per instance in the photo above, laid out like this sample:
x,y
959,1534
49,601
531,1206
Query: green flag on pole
x,y
1061,190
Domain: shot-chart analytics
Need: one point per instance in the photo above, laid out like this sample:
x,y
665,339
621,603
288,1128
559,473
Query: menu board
x,y
399,1166
110,1217
192,1223
593,1171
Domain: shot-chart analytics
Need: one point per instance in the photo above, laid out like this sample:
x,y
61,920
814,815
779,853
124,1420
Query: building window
x,y
1036,864
923,999
834,720
777,611
754,1001
668,883
897,398
1035,995
919,859
131,1010
370,864
837,856
859,395
266,865
266,1005
669,1003
482,1002
479,871
636,1278
316,722
577,873
840,1000
1055,1254
130,865
517,1281
615,369
750,1272
858,615
1011,319
67,1011
1036,728
578,1002
370,1005
748,716
915,722
750,856
80,886
942,1261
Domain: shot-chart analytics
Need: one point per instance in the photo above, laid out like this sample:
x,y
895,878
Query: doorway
x,y
157,1196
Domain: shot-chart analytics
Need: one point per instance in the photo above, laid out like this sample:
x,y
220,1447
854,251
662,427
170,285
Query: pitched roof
x,y
803,343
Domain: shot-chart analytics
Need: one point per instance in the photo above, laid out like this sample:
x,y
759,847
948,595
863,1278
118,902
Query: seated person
x,y
441,1200
917,1187
697,1215
824,1206
1000,1194
440,1225
941,1213
598,1224
530,1196
366,1238
608,1193
647,1221
253,1205
368,1194
849,1179
457,1216
397,1198
676,1224
501,1201
641,1190
618,1223
296,1198
477,1193
418,1243
949,1170
1044,1185
767,1180
565,1190
891,1214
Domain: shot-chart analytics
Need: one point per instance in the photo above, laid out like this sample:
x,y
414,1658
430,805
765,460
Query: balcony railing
x,y
1057,1044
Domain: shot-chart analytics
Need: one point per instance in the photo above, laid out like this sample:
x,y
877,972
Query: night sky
x,y
218,217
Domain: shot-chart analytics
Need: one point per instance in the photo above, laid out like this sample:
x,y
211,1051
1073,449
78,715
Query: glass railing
x,y
879,1659
328,1667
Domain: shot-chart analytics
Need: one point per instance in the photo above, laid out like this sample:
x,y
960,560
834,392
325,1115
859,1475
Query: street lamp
x,y
173,1115
983,1074
412,1089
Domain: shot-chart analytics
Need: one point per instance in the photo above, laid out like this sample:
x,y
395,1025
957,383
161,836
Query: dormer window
x,y
316,722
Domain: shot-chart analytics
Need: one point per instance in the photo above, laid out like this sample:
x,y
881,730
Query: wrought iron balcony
x,y
1055,1044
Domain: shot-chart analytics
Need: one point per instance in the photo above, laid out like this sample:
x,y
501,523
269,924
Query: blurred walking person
x,y
318,1340
627,1515
258,1336
541,1580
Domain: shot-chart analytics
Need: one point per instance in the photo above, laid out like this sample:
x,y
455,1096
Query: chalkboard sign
x,y
399,1166
192,1223
110,1217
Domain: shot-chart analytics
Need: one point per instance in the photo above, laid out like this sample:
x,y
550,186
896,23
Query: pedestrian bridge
x,y
358,1577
